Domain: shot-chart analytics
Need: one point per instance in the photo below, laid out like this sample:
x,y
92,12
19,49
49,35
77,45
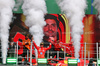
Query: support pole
x,y
97,53
15,51
57,55
48,54
82,52
64,52
88,55
85,55
31,55
17,54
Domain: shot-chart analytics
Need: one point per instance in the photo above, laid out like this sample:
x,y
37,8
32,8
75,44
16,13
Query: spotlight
x,y
11,60
42,60
72,62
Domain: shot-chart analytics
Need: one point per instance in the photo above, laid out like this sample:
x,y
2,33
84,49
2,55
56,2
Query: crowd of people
x,y
53,47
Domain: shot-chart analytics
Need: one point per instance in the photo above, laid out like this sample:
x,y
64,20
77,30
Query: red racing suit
x,y
41,50
57,46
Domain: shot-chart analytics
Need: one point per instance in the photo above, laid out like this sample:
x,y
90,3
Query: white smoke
x,y
96,4
6,7
75,11
34,11
18,4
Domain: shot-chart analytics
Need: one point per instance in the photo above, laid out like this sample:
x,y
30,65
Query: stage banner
x,y
62,31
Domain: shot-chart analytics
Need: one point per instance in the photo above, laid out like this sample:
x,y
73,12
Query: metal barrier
x,y
29,54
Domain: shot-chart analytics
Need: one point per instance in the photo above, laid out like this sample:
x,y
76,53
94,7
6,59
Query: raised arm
x,y
35,45
48,47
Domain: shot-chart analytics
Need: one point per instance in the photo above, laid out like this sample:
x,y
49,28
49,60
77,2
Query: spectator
x,y
11,50
91,63
26,45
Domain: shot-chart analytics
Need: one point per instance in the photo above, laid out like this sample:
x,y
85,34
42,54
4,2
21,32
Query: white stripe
x,y
72,62
11,59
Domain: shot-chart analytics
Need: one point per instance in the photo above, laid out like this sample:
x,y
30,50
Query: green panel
x,y
90,9
95,11
52,7
19,9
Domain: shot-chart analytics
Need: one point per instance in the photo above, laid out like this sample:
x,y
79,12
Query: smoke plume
x,y
96,4
6,7
75,11
34,11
